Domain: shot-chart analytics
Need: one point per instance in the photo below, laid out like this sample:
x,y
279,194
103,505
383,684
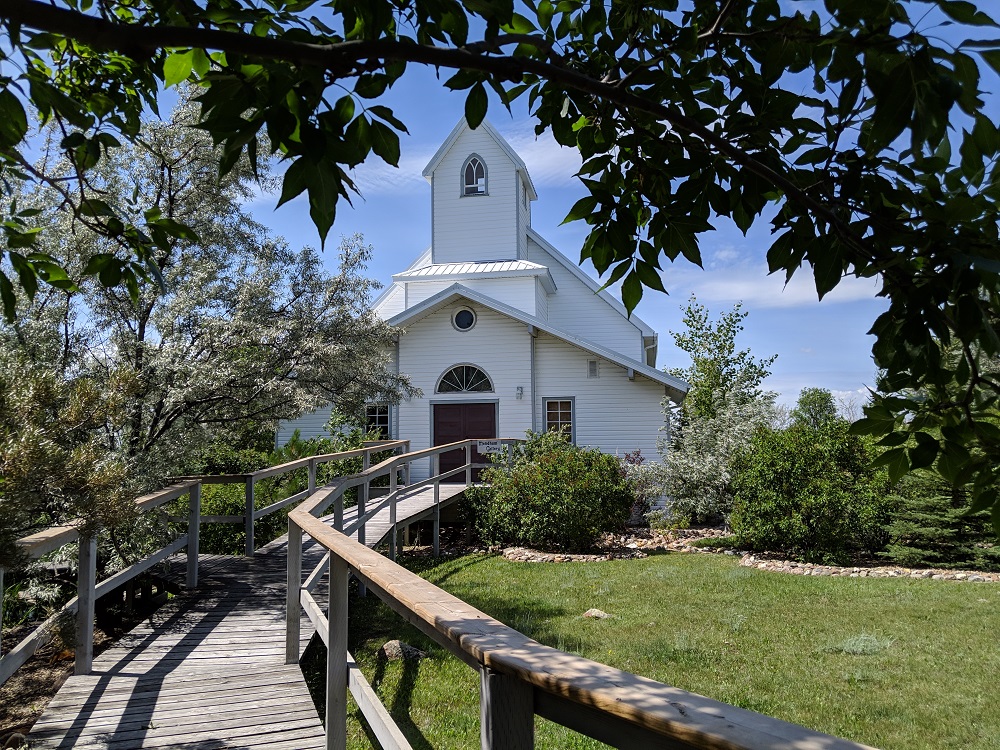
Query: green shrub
x,y
552,496
811,493
933,528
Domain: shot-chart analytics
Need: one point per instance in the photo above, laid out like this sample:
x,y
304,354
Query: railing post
x,y
86,580
435,470
363,494
392,514
468,464
293,583
336,657
506,712
248,517
194,527
338,511
406,473
312,475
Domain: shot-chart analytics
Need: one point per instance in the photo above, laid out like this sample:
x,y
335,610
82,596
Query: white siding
x,y
576,309
517,292
474,227
309,426
612,413
523,217
497,344
541,301
392,303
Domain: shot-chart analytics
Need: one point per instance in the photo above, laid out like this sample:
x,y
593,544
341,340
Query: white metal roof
x,y
495,268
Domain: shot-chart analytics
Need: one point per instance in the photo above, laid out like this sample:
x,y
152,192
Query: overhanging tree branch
x,y
345,58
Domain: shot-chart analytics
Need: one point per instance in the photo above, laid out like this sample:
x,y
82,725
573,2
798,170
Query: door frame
x,y
464,400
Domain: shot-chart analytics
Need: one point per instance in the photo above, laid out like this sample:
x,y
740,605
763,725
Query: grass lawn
x,y
898,664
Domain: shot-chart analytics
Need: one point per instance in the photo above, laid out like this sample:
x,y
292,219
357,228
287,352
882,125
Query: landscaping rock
x,y
596,614
396,650
808,569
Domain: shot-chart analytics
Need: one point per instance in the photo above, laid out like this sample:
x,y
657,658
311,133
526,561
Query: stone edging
x,y
810,569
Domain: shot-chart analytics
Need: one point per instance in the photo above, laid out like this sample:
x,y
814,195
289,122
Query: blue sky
x,y
822,344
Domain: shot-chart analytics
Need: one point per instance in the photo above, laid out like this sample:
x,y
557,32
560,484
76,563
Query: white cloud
x,y
749,283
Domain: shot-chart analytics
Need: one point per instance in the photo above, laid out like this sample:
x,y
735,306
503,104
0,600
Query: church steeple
x,y
480,197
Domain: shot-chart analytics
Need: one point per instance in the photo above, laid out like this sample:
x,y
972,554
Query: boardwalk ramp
x,y
206,671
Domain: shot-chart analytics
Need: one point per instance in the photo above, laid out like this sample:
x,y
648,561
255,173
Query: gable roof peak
x,y
486,126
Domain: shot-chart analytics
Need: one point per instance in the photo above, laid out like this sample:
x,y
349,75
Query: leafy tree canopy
x,y
855,126
717,371
814,408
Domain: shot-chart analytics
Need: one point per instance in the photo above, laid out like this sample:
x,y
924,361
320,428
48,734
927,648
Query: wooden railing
x,y
519,677
249,481
89,590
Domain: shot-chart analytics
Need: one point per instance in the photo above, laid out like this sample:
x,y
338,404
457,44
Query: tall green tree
x,y
859,128
243,331
717,370
814,408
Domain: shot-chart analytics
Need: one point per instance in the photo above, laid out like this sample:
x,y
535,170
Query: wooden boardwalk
x,y
207,671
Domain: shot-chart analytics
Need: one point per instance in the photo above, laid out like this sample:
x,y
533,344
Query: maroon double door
x,y
453,422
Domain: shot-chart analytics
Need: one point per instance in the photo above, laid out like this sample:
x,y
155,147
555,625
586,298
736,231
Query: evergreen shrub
x,y
811,493
552,495
933,528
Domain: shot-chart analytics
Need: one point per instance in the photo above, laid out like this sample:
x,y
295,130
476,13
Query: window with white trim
x,y
474,176
377,420
559,416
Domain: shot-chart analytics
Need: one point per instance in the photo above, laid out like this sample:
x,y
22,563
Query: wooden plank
x,y
291,500
506,712
158,498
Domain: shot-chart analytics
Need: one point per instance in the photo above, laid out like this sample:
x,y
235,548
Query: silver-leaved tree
x,y
240,330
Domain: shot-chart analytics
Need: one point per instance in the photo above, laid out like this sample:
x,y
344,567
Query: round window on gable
x,y
463,319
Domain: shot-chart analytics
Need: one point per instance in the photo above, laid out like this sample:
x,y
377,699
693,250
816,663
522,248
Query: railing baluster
x,y
86,596
336,657
194,526
506,712
248,517
293,582
435,470
392,513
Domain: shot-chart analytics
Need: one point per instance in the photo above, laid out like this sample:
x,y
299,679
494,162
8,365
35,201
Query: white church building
x,y
502,332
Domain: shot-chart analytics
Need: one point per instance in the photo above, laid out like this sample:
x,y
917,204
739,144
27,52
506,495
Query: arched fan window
x,y
465,379
474,176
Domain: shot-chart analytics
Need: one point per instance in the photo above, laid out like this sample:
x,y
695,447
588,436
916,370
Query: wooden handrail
x,y
88,589
520,677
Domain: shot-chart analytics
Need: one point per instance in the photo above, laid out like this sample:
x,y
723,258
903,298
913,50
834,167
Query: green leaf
x,y
8,298
385,143
177,67
476,104
631,292
13,120
649,276
896,463
965,12
582,209
924,453
295,179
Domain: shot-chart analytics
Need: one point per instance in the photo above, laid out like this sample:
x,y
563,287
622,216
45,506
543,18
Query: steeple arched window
x,y
474,176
